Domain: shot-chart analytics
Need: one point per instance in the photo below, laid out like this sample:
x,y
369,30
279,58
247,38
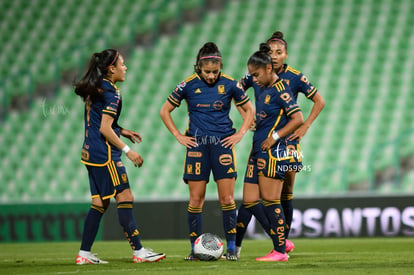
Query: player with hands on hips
x,y
210,139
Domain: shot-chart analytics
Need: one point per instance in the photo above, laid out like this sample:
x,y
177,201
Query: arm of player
x,y
107,131
296,119
165,114
243,115
247,117
318,104
131,135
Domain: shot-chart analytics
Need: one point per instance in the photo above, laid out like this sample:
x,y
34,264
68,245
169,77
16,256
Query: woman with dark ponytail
x,y
101,154
298,83
210,139
277,116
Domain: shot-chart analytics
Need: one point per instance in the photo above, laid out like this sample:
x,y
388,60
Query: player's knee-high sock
x,y
258,210
243,219
229,224
276,218
91,226
128,223
194,219
287,205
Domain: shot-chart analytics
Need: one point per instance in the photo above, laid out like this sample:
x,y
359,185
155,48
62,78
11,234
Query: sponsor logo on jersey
x,y
218,104
231,170
120,164
203,105
221,89
226,159
198,91
262,115
304,79
85,154
261,163
195,154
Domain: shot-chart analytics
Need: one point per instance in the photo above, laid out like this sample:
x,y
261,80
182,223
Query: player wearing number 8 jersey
x,y
277,116
210,139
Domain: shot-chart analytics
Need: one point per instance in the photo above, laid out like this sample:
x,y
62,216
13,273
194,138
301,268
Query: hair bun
x,y
277,34
264,47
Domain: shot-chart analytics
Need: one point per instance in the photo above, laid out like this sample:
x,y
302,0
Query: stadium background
x,y
357,53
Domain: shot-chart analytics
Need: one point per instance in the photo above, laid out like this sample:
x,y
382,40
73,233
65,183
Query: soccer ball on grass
x,y
208,247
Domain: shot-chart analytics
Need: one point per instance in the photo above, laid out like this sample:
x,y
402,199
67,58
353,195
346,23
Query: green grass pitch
x,y
311,256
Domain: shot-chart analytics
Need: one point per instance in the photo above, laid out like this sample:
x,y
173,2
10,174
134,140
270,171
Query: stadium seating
x,y
357,54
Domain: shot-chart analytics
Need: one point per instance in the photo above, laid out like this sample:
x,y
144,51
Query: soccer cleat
x,y
191,257
238,250
147,255
274,256
289,246
86,257
231,256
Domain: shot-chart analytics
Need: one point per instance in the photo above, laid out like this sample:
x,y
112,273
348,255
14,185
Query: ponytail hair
x,y
209,52
89,85
277,36
261,58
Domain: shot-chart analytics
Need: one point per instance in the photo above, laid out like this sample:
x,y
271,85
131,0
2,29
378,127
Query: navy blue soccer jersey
x,y
209,105
96,149
297,82
274,106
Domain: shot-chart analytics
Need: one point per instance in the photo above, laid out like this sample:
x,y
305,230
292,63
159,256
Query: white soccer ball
x,y
208,247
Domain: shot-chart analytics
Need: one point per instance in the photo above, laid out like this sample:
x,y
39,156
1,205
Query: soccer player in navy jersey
x,y
101,154
298,83
210,139
277,116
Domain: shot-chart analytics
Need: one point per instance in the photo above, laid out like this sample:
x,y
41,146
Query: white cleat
x,y
86,257
147,255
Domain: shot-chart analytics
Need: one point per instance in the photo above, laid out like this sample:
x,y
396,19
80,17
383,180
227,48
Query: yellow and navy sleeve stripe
x,y
312,93
173,101
243,101
292,111
279,86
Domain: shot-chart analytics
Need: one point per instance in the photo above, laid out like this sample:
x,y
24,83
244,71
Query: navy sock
x,y
91,226
128,223
287,205
194,219
243,219
229,224
276,218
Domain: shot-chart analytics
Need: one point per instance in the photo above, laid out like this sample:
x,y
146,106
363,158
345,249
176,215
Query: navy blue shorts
x,y
106,181
266,163
209,156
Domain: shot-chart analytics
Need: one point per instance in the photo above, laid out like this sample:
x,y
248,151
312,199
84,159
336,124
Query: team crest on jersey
x,y
221,89
198,91
189,168
267,99
226,159
124,178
